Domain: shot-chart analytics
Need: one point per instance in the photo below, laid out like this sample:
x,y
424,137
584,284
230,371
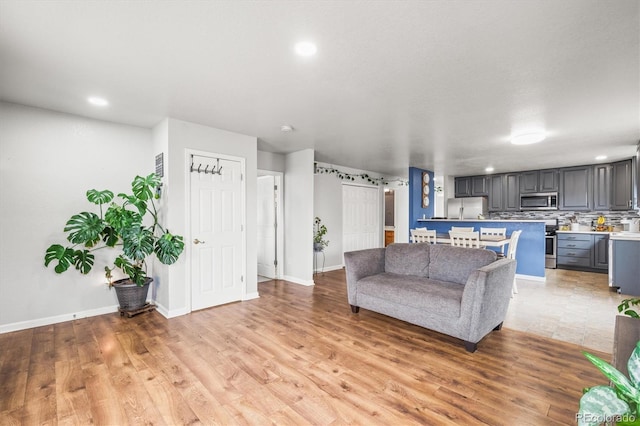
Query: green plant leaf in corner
x,y
84,228
144,188
99,197
633,366
168,248
600,402
618,379
63,255
83,261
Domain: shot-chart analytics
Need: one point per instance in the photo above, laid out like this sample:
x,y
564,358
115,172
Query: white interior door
x,y
266,212
217,229
360,217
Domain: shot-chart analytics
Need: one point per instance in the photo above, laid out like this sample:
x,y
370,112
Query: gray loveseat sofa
x,y
461,292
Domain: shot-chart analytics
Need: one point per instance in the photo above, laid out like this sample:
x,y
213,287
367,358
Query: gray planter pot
x,y
131,296
318,247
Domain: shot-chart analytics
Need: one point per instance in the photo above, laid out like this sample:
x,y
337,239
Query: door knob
x,y
197,241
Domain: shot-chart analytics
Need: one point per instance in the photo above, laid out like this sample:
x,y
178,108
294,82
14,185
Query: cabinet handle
x,y
571,245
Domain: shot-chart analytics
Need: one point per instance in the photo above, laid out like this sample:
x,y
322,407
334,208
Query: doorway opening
x,y
389,216
270,248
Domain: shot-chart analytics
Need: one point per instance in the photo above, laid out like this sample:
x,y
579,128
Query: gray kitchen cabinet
x,y
511,194
583,251
535,181
576,188
621,186
600,250
479,186
529,182
495,203
626,268
602,187
548,181
462,187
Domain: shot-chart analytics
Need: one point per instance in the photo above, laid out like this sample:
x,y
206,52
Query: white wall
x,y
48,160
402,213
271,161
175,298
298,217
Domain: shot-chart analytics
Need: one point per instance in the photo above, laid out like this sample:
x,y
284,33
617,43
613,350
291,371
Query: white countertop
x,y
482,220
616,235
583,232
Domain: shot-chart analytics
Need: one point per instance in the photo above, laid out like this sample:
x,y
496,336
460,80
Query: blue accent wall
x,y
531,245
415,197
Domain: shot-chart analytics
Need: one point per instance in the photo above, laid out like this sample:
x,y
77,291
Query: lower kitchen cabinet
x,y
583,251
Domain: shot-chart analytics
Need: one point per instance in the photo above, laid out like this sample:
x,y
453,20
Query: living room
x,y
439,86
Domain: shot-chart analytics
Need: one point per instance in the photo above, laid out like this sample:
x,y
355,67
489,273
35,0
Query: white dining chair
x,y
465,239
462,228
511,254
423,236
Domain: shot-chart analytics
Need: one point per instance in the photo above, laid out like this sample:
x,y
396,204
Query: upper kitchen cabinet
x,y
462,187
479,186
621,186
602,187
511,194
539,181
576,188
496,203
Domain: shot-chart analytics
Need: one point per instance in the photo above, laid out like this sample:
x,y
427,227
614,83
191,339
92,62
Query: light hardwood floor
x,y
297,355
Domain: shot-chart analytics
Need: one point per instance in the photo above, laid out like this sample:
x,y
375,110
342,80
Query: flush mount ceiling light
x,y
97,101
528,138
489,169
286,128
305,48
601,157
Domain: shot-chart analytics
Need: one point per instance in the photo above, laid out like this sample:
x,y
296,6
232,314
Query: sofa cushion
x,y
438,297
407,259
455,264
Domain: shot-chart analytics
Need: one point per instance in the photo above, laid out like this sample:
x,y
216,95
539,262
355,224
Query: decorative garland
x,y
352,176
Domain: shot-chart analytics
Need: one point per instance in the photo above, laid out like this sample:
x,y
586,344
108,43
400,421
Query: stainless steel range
x,y
551,245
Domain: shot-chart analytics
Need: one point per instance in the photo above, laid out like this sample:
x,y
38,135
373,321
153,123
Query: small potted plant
x,y
131,227
320,230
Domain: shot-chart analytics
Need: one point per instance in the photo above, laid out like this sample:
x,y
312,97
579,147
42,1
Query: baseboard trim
x,y
251,296
329,268
168,314
531,278
298,280
23,325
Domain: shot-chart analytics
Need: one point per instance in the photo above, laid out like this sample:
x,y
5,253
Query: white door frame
x,y
380,231
243,208
279,179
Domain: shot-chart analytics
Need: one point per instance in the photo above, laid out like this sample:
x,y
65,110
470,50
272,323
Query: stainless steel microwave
x,y
539,201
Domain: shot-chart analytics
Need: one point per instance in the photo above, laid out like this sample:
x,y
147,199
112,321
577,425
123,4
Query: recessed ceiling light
x,y
97,101
286,128
489,169
601,157
306,48
528,138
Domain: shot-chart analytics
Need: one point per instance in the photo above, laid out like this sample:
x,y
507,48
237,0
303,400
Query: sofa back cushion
x,y
407,259
455,264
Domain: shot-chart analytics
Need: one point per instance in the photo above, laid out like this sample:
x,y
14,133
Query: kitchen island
x,y
531,245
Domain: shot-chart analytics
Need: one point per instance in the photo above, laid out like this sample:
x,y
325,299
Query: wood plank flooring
x,y
297,355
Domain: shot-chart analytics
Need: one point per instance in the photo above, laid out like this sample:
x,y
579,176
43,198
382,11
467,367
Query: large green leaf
x,y
143,188
633,366
598,404
137,242
99,197
619,380
63,255
110,236
141,205
168,248
83,261
84,228
120,218
135,273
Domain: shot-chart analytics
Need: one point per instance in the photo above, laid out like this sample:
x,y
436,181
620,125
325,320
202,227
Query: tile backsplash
x,y
584,218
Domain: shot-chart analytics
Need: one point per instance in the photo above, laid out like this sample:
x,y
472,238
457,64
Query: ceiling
x,y
440,85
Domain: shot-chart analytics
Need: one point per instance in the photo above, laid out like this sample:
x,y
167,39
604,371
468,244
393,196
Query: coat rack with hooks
x,y
215,170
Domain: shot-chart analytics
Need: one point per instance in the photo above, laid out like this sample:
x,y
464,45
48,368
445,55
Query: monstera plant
x,y
130,227
616,404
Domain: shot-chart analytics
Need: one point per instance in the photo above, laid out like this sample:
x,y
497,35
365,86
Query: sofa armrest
x,y
486,297
359,264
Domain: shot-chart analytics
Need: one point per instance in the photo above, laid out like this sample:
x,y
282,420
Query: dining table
x,y
497,241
